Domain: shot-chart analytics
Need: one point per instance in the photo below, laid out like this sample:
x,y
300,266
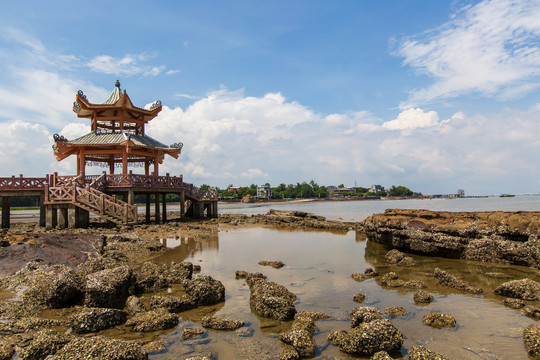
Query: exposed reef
x,y
497,237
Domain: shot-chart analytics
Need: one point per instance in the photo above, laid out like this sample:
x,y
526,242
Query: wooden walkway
x,y
65,201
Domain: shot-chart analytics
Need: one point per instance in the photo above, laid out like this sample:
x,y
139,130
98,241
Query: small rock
x,y
525,289
381,355
190,333
531,339
437,320
271,300
422,296
452,281
134,305
514,303
289,354
241,274
153,321
96,319
99,347
359,297
532,312
395,311
205,290
274,264
44,343
392,280
172,304
414,284
217,323
364,314
422,353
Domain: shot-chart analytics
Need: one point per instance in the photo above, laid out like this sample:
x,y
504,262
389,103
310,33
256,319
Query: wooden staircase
x,y
91,198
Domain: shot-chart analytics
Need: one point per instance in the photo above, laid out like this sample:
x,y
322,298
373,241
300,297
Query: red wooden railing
x,y
22,183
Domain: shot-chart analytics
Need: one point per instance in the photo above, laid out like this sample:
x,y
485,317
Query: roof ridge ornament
x,y
58,137
155,104
81,95
177,145
117,83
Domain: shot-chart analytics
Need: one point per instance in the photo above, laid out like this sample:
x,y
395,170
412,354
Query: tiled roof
x,y
93,138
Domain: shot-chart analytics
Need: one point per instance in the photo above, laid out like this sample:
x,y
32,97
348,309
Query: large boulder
x,y
368,338
109,288
44,343
525,289
99,347
205,290
271,300
96,319
179,272
152,278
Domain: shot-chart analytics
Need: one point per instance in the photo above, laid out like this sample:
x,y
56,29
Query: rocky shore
x,y
497,237
64,294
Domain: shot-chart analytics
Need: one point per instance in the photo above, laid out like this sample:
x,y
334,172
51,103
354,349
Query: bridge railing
x,y
22,183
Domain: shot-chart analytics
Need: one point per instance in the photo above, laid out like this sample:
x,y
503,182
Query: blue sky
x,y
433,95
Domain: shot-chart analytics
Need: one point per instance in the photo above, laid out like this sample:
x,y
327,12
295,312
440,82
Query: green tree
x,y
399,191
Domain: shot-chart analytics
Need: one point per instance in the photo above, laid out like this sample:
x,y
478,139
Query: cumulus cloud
x,y
490,49
411,119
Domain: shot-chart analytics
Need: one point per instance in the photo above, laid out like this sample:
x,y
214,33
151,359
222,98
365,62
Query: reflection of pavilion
x,y
188,247
117,140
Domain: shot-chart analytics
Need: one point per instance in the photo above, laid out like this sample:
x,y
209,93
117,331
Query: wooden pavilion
x,y
117,140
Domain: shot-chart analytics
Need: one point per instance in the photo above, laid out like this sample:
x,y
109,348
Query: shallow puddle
x,y
318,269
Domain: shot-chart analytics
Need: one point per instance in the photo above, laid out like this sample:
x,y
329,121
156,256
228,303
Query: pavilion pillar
x,y
42,210
111,165
156,165
124,162
6,210
147,198
82,163
164,202
182,205
146,167
131,197
156,209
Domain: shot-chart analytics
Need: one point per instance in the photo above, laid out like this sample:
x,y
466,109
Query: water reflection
x,y
318,269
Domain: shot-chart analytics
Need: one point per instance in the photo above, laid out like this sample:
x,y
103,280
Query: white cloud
x,y
129,65
411,119
171,72
490,49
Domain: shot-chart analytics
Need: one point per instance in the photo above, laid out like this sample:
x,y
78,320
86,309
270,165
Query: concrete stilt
x,y
82,218
198,209
147,198
72,216
156,210
50,217
164,202
6,210
63,218
131,197
182,205
42,210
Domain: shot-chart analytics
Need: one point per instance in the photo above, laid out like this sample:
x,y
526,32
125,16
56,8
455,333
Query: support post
x,y
147,198
72,216
164,202
131,197
50,217
42,210
182,205
6,210
63,218
156,210
82,218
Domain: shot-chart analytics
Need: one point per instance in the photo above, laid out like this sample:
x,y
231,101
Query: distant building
x,y
264,191
460,193
336,190
376,188
234,189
